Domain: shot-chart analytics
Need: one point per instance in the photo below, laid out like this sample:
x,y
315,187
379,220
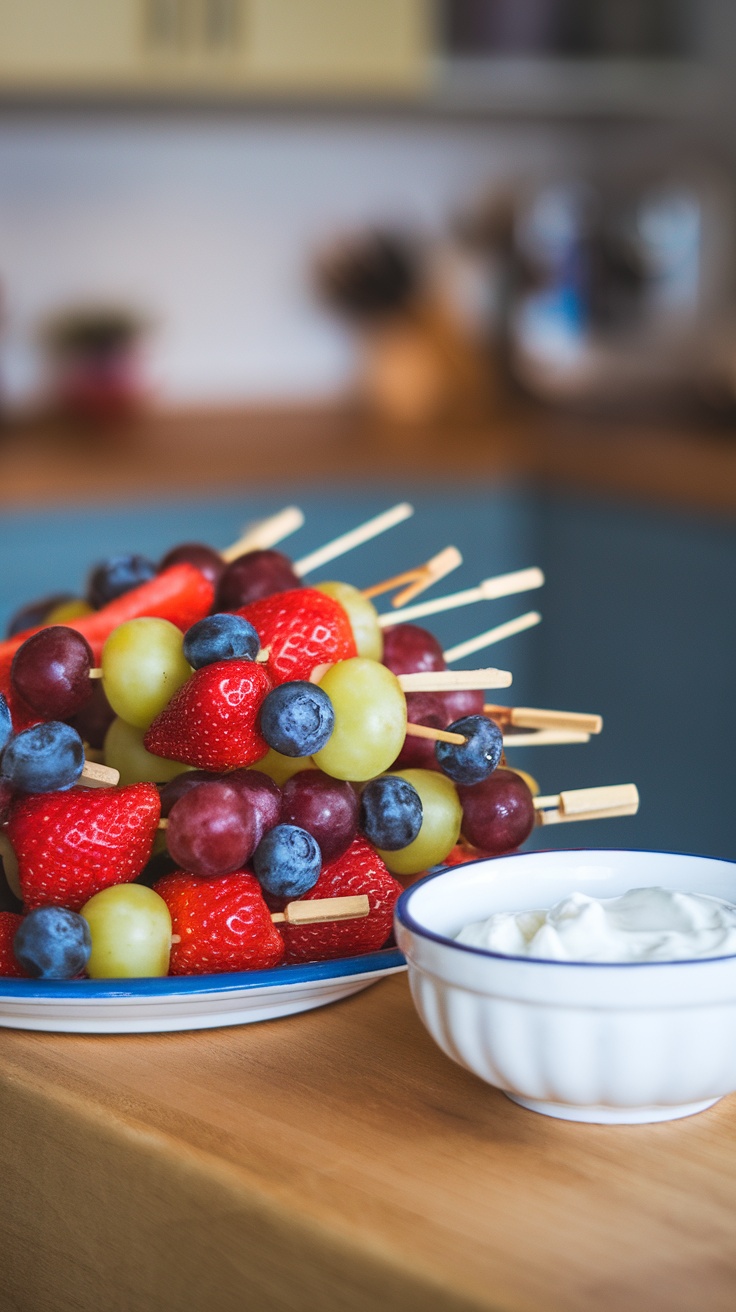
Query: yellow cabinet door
x,y
260,46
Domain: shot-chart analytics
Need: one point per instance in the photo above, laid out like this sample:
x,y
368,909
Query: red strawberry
x,y
301,629
223,923
212,721
72,844
359,870
9,966
181,594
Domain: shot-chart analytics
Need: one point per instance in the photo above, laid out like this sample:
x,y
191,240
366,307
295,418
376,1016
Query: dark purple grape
x,y
409,649
30,616
422,708
261,795
327,808
210,831
7,793
50,671
461,702
255,575
114,577
287,861
498,814
474,760
181,783
208,561
95,717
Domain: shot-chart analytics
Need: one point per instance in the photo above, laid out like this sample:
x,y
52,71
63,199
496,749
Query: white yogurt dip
x,y
645,924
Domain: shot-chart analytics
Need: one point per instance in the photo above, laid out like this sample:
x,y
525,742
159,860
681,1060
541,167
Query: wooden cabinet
x,y
277,47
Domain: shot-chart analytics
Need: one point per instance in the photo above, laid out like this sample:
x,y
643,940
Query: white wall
x,y
206,221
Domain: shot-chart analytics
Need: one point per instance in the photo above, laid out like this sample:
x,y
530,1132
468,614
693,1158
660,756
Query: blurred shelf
x,y
208,452
582,87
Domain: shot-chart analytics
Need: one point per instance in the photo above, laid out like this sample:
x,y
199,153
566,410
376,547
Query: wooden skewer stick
x,y
528,717
319,909
545,738
450,680
266,533
96,673
322,908
504,585
497,634
437,735
587,804
438,567
261,658
347,541
98,776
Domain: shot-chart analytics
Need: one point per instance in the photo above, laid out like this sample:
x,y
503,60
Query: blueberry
x,y
220,638
6,724
297,718
478,756
287,861
120,574
390,812
53,943
44,759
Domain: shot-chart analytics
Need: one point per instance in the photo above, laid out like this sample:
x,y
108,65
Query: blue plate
x,y
194,1002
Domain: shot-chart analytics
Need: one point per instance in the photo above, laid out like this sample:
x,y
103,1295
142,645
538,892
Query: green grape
x,y
370,720
280,768
124,751
142,667
363,617
442,815
130,927
74,609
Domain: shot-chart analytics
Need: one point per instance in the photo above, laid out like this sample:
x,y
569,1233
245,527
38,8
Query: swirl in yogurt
x,y
644,924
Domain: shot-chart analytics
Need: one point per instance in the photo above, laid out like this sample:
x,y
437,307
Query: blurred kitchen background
x,y
480,253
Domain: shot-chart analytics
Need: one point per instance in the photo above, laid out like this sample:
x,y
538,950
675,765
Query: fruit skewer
x,y
502,585
372,528
417,580
530,717
491,636
587,804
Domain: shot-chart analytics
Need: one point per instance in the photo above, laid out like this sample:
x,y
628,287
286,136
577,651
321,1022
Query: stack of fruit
x,y
265,750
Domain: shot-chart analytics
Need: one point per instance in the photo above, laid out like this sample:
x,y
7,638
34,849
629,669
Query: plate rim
x,y
195,986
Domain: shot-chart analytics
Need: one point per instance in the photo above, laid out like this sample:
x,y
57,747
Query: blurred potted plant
x,y
98,370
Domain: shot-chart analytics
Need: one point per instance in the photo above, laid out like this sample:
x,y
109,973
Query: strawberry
x,y
72,844
10,967
212,721
301,629
359,870
223,924
181,594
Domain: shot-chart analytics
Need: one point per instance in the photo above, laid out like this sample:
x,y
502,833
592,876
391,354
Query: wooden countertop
x,y
170,454
338,1162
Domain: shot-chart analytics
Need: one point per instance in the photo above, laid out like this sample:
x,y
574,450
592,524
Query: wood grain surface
x,y
210,451
337,1161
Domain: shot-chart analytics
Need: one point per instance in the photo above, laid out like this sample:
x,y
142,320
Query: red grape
x,y
94,719
181,783
208,561
409,649
50,671
260,795
327,808
251,577
498,814
210,831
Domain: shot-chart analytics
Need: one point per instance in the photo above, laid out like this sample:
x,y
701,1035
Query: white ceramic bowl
x,y
623,1043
